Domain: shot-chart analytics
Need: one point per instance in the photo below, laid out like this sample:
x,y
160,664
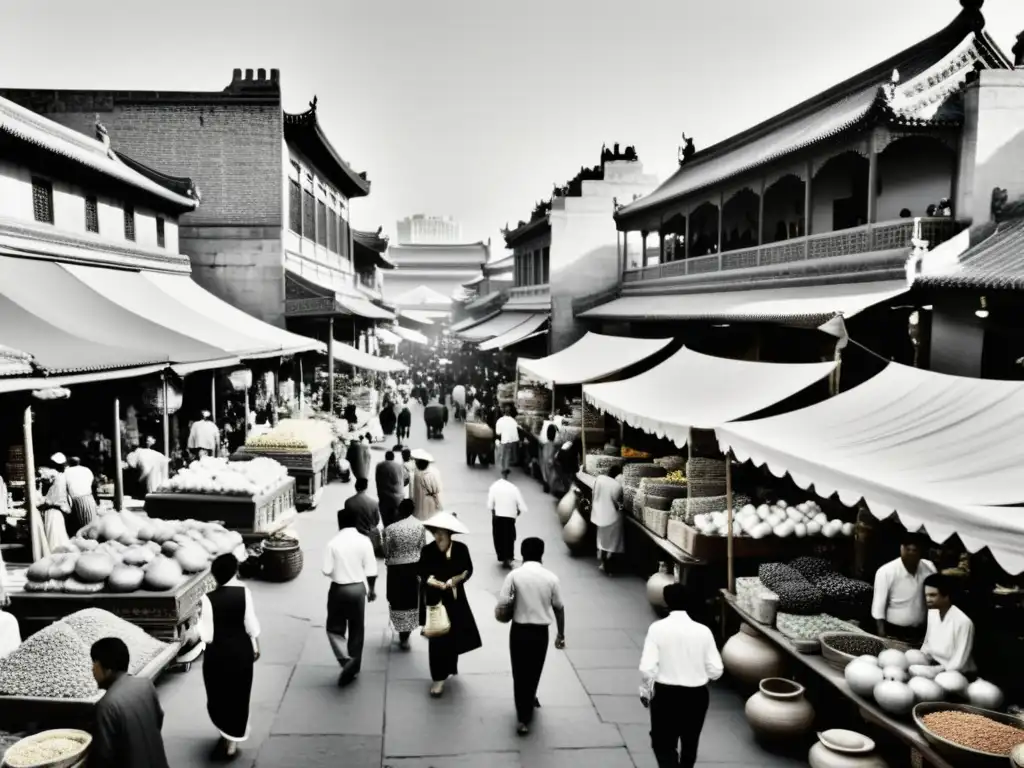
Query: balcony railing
x,y
890,235
529,291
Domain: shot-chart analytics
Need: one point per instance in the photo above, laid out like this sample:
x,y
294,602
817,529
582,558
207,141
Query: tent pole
x,y
245,429
167,417
301,387
118,470
213,396
35,526
553,400
729,517
583,429
330,365
689,459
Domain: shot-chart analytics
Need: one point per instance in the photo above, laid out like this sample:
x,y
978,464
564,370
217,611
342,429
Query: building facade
x,y
420,229
427,276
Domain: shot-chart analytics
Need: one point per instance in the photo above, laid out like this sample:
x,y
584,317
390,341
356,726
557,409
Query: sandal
x,y
437,690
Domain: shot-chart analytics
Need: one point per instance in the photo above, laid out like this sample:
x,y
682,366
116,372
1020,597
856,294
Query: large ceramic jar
x,y
566,506
657,583
826,754
750,658
1017,756
779,711
575,531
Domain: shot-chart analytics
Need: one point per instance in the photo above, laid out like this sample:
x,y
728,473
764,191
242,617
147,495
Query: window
x,y
295,206
332,231
308,214
92,215
160,241
129,223
537,268
343,249
42,200
321,223
545,266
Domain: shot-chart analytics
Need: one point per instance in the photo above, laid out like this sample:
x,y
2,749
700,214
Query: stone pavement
x,y
590,715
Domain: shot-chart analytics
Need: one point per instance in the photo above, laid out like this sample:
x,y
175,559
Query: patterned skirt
x,y
403,596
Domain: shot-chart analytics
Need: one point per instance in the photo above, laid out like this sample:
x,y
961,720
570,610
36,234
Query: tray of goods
x,y
672,485
970,736
809,629
220,477
687,509
633,453
53,667
309,436
779,520
60,748
840,648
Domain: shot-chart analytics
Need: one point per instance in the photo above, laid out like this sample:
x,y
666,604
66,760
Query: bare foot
x,y
437,689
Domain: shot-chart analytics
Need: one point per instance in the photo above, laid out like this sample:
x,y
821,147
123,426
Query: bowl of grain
x,y
840,648
969,736
61,748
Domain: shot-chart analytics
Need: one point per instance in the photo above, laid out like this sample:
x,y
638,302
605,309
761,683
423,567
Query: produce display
x,y
632,453
811,627
974,731
220,477
122,552
55,662
796,594
301,435
47,748
809,585
778,519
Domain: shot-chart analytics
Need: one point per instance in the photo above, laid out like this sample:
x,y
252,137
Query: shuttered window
x,y
160,241
129,223
92,215
295,206
332,231
308,215
321,223
42,200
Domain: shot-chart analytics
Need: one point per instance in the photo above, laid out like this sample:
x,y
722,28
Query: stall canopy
x,y
418,316
496,326
410,335
364,308
525,330
593,357
691,390
388,337
802,305
915,442
349,355
469,322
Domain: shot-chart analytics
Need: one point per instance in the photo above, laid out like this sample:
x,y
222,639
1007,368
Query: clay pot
x,y
825,754
566,506
657,583
575,530
1017,756
750,658
779,711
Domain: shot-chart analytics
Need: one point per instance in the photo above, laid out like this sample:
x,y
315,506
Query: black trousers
x,y
913,635
528,647
346,620
677,718
503,531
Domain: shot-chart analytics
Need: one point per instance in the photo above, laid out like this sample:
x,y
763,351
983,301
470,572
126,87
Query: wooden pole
x,y
553,409
35,525
245,429
689,459
583,429
330,365
118,471
213,396
167,418
729,516
302,401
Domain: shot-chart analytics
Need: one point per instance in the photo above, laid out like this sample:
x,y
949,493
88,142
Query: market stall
x,y
304,447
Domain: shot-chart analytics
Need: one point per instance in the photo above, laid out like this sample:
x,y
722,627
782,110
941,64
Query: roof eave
x,y
529,228
306,127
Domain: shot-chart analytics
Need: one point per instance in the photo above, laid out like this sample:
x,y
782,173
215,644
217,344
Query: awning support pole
x,y
689,461
166,415
275,385
330,365
729,517
553,409
245,429
35,526
213,396
583,430
302,401
118,469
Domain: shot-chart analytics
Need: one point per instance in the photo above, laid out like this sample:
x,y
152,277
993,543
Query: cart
x,y
479,444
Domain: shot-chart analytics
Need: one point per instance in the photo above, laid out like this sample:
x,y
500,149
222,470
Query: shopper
x,y
898,607
81,494
230,629
390,481
404,422
506,431
532,599
426,493
506,504
56,504
445,566
403,542
204,437
679,659
409,465
150,466
128,717
358,457
548,451
366,511
350,564
606,514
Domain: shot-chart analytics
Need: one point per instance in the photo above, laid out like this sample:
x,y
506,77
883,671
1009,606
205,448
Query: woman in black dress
x,y
228,626
444,567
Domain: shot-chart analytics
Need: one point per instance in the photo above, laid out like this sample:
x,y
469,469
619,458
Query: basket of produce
x,y
969,736
60,748
673,484
840,648
298,435
689,507
282,558
634,472
633,453
220,477
534,399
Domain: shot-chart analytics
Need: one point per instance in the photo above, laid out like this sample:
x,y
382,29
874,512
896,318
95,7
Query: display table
x,y
165,615
249,515
904,730
308,468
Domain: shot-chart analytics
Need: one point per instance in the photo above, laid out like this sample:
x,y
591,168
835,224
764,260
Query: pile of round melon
x,y
220,477
122,552
779,519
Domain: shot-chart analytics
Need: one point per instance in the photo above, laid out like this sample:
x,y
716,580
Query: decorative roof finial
x,y
686,150
312,104
972,5
101,133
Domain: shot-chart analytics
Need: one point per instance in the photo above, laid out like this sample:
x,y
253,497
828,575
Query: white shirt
x,y
536,593
204,434
607,495
679,651
950,641
349,558
507,430
505,500
79,480
252,624
899,594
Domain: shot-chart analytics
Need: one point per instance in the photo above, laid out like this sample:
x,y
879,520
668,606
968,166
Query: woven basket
x,y
656,520
688,508
674,531
282,560
599,464
671,463
706,477
636,471
75,758
657,487
628,497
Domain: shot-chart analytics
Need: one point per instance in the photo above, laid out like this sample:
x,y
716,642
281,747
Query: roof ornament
x,y
890,88
312,104
195,194
686,150
1018,51
104,137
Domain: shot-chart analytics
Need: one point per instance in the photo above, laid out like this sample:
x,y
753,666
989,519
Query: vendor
x,y
204,437
898,607
949,640
149,465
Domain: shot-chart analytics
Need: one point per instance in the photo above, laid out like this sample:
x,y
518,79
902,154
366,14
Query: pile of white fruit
x,y
220,477
779,519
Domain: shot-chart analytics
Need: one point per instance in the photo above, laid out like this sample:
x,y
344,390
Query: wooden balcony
x,y
884,236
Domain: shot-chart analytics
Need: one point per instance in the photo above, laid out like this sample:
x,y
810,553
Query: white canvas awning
x,y
525,330
349,355
921,444
691,390
803,304
388,337
593,357
410,335
496,326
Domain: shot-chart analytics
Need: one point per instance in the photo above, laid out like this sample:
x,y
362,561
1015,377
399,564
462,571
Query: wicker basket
x,y
656,520
75,758
281,559
671,463
634,472
674,531
656,487
600,464
706,477
688,508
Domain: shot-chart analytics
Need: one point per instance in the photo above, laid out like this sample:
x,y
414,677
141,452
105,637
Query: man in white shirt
x,y
533,596
505,503
949,640
898,607
204,437
679,659
350,564
506,430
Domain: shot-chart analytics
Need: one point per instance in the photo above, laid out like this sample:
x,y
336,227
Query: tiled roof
x,y
995,263
303,130
14,362
370,248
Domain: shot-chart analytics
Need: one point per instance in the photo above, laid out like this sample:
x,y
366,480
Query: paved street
x,y
590,714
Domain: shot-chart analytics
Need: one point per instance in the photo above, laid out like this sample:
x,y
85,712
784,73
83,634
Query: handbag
x,y
438,624
506,609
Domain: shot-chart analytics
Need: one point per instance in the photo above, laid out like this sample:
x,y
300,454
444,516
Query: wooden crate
x,y
248,515
309,468
715,548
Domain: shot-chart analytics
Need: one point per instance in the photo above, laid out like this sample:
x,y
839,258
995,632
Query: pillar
x,y
330,365
721,224
808,208
686,235
873,178
643,249
118,470
760,215
35,525
166,417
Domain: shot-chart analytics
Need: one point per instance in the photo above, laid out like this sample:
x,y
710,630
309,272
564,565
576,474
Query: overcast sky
x,y
475,108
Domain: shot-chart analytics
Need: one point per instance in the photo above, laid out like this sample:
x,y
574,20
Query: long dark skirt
x,y
83,510
227,674
503,531
404,596
463,637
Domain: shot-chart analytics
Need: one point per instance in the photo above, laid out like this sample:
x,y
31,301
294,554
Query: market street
x,y
591,715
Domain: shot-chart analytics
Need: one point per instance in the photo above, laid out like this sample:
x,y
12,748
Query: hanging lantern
x,y
240,379
153,397
53,393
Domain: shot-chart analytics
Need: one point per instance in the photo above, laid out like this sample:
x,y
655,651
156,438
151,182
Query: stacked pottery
x,y
566,506
657,583
844,749
750,658
779,711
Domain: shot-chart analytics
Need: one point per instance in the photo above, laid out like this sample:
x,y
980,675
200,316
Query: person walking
x,y
409,466
426,492
388,418
80,482
679,659
366,511
351,566
390,480
444,568
204,437
505,503
506,431
128,717
404,423
358,457
606,514
403,541
230,629
532,600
